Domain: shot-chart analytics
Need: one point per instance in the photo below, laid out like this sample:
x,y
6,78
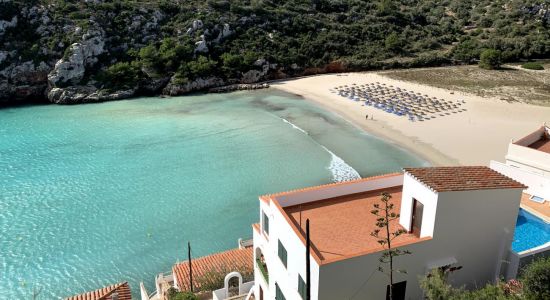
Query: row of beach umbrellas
x,y
399,101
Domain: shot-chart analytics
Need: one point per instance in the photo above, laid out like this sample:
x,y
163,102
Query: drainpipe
x,y
308,267
190,267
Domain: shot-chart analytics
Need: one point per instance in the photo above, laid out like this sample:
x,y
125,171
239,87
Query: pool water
x,y
530,232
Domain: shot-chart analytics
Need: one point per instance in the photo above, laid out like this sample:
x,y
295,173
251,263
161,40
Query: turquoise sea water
x,y
96,194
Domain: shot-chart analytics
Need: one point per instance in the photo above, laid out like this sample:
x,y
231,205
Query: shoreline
x,y
474,137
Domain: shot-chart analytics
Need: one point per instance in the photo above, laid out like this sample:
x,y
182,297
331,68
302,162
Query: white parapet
x,y
143,292
538,184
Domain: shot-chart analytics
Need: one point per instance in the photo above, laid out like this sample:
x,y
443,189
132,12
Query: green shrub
x,y
121,75
532,66
490,59
536,279
201,67
173,294
435,287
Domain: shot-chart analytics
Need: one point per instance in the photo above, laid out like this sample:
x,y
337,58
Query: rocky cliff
x,y
69,51
65,59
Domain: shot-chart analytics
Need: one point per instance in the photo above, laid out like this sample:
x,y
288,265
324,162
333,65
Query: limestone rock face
x,y
23,81
197,24
201,46
3,56
86,94
5,24
173,88
224,32
257,75
155,86
71,70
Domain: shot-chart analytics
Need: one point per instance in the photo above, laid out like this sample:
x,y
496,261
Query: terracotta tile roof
x,y
444,179
121,289
240,260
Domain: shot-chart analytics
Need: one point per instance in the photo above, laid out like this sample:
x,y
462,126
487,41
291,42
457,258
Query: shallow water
x,y
96,194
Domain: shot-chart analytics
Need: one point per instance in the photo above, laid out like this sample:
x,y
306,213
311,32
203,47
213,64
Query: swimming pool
x,y
530,232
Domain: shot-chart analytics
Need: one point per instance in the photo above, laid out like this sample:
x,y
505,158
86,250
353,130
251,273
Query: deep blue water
x,y
96,194
530,232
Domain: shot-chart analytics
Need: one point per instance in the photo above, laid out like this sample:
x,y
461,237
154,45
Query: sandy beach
x,y
474,137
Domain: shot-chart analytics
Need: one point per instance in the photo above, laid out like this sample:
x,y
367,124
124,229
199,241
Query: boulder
x,y
154,86
255,75
4,24
86,94
201,46
173,88
3,56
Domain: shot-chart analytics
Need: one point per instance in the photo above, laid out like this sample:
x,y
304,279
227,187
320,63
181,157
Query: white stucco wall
x,y
286,278
474,227
538,184
529,159
412,189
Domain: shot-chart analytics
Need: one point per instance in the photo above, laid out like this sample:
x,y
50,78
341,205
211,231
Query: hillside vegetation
x,y
82,51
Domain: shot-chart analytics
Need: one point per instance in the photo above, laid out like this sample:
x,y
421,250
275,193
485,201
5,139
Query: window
x,y
416,219
301,287
278,293
282,253
265,224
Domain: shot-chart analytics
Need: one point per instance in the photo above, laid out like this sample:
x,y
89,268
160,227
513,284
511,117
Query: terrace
x,y
341,226
543,144
537,140
541,210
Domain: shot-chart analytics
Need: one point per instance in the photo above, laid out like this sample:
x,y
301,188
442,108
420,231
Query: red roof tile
x,y
240,260
444,179
121,289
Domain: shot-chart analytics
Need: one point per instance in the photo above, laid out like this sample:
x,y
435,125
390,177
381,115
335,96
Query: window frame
x,y
302,288
265,223
279,293
281,247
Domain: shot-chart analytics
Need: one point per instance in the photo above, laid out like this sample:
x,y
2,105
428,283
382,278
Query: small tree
x,y
490,59
385,215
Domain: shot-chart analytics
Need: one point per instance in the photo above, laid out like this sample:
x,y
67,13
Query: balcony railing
x,y
263,269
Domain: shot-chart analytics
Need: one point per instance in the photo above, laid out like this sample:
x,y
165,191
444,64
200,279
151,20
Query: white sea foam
x,y
340,170
294,126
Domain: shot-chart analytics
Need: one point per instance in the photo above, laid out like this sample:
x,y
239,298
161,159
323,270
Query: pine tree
x,y
385,215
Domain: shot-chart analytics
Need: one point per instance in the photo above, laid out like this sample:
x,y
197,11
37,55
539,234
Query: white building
x,y
532,152
455,216
528,161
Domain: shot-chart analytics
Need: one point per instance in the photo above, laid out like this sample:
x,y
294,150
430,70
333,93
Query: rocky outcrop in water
x,y
239,87
86,94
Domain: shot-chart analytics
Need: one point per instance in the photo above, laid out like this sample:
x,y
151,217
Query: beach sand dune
x,y
473,137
